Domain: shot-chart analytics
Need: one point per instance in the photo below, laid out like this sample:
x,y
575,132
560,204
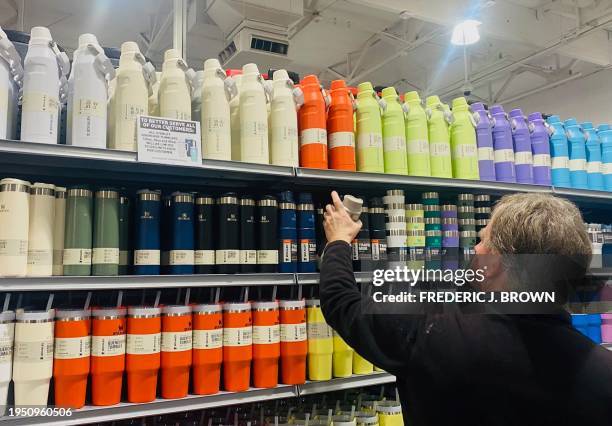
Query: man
x,y
495,369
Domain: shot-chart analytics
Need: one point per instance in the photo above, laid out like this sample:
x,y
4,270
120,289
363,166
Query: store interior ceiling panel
x,y
526,46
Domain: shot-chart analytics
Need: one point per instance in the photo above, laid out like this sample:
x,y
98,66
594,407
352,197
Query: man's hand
x,y
338,224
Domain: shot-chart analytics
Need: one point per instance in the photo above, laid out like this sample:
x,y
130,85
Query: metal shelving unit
x,y
90,414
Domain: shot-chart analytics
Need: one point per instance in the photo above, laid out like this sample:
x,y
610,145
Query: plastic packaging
x,y
340,128
266,344
284,143
417,138
312,125
237,346
207,348
40,235
143,356
176,351
370,154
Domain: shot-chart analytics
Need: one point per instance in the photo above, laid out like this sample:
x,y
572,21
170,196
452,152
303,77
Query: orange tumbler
x,y
71,357
107,355
207,348
143,352
340,125
266,344
237,346
175,351
293,343
311,121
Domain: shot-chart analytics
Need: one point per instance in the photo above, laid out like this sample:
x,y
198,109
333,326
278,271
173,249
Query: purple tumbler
x,y
502,144
484,139
541,149
523,159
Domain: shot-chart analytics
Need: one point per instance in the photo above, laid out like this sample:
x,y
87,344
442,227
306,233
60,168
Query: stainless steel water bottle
x,y
248,243
78,232
267,247
378,235
205,240
307,245
105,256
125,251
40,234
59,230
181,257
227,254
287,233
14,224
146,233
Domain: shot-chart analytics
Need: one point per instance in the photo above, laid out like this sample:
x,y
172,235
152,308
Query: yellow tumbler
x,y
342,358
320,342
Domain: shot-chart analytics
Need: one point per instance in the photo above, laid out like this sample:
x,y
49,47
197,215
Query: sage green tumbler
x,y
105,257
124,235
78,232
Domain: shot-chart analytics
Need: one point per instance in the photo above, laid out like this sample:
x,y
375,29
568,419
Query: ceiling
x,y
525,46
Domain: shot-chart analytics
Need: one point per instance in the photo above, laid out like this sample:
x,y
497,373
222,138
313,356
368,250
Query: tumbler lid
x,y
237,306
143,310
7,316
23,315
388,407
313,303
292,304
66,314
206,308
176,310
108,311
352,204
269,305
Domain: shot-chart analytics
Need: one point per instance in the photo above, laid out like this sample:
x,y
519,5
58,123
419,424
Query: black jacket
x,y
461,369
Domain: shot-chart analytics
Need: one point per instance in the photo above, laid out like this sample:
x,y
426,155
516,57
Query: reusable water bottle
x,y
176,350
237,346
312,125
377,233
88,94
216,130
248,243
78,232
559,151
463,142
253,117
207,348
59,230
293,341
234,105
267,223
523,158
7,335
320,342
227,253
174,88
362,246
417,139
503,146
146,232
105,255
577,154
181,257
307,245
284,144
143,357
204,239
394,134
125,235
340,128
131,97
40,234
11,81
439,138
606,158
370,154
484,139
593,157
14,227
45,69
540,147
287,222
154,96
266,344
196,96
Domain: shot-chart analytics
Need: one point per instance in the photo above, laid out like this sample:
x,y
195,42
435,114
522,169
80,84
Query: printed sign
x,y
165,141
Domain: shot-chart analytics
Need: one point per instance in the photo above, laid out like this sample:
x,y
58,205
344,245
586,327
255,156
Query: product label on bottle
x,y
266,334
486,153
146,257
227,257
13,247
204,257
606,168
129,112
289,249
215,136
77,257
394,143
369,140
33,352
379,250
177,115
43,111
72,347
318,330
541,160
248,257
465,151
105,256
176,341
439,149
418,146
6,343
40,257
309,136
308,250
208,339
338,139
577,165
240,336
504,155
108,345
181,257
523,157
293,332
143,344
559,163
89,120
267,257
285,134
124,256
592,167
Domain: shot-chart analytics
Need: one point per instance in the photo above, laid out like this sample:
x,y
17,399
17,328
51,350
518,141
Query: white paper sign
x,y
165,141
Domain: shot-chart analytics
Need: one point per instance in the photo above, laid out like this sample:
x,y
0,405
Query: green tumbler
x,y
105,256
78,232
124,235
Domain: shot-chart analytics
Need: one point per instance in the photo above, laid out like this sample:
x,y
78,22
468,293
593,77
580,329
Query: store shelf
x,y
27,158
356,381
313,278
89,414
125,282
377,181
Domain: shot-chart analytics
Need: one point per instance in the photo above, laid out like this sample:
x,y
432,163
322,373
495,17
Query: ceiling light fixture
x,y
466,33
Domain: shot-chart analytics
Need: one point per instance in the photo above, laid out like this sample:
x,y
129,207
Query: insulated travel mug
x,y
227,254
266,344
307,247
40,235
79,232
320,342
146,233
59,230
237,346
248,243
207,348
181,256
14,224
267,247
143,352
176,351
105,257
204,240
293,346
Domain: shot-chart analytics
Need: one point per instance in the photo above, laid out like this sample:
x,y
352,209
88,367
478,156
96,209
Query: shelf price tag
x,y
166,141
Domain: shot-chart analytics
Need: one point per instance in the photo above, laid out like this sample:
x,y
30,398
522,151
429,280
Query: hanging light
x,y
465,33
